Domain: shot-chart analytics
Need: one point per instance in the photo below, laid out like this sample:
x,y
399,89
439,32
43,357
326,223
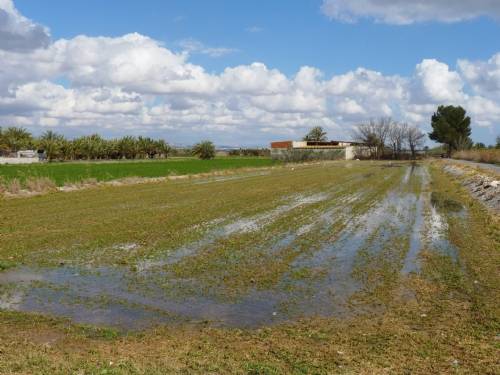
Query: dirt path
x,y
486,166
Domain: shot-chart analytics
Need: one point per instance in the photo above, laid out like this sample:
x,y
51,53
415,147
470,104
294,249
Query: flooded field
x,y
343,267
322,251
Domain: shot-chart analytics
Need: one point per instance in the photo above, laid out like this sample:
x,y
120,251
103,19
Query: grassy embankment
x,y
443,319
491,156
74,172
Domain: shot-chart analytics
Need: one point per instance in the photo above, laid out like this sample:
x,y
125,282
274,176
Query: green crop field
x,y
67,172
342,267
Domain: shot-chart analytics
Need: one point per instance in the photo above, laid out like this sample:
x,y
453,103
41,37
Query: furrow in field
x,y
307,255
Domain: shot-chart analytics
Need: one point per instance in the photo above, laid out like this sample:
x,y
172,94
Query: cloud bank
x,y
134,84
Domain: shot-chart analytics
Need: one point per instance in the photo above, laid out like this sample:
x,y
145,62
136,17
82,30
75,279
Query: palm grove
x,y
93,147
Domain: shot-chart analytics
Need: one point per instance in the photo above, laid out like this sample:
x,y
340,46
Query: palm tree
x,y
51,143
146,147
128,147
94,146
14,139
67,150
205,150
162,148
112,149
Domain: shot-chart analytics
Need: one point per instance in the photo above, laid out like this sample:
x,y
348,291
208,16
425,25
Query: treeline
x,y
90,147
482,146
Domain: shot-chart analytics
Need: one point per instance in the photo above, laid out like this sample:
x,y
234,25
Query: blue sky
x,y
335,37
293,33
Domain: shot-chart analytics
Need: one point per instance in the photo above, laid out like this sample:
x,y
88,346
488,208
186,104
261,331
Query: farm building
x,y
22,157
312,150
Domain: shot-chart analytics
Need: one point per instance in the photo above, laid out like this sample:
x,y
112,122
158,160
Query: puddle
x,y
102,297
438,234
411,263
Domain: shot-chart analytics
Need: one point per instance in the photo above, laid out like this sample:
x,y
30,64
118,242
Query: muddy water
x,y
391,233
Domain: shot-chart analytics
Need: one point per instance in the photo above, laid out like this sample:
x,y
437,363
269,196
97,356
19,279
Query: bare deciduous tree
x,y
374,135
397,138
382,131
377,135
415,138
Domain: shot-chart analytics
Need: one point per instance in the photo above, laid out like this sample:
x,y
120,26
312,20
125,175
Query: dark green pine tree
x,y
451,126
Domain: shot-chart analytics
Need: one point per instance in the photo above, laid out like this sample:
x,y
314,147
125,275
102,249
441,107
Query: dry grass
x,y
13,186
483,156
40,185
90,181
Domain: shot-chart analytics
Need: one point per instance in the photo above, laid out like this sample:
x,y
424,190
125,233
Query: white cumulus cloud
x,y
434,82
17,33
483,76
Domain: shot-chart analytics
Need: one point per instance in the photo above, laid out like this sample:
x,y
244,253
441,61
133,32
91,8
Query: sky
x,y
245,73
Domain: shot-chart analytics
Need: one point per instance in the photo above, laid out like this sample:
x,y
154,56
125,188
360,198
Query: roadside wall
x,y
18,160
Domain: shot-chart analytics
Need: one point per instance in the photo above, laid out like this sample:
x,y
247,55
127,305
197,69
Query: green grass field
x,y
334,268
62,173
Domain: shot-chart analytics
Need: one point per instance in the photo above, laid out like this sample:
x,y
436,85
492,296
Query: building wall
x,y
306,154
299,144
282,144
350,153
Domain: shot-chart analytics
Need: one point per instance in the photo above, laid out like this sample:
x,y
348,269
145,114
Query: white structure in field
x,y
304,150
22,157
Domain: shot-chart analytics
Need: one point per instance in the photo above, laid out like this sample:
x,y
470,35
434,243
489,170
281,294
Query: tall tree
x,y
15,139
162,148
397,136
374,134
316,134
415,139
128,147
51,143
451,126
146,147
